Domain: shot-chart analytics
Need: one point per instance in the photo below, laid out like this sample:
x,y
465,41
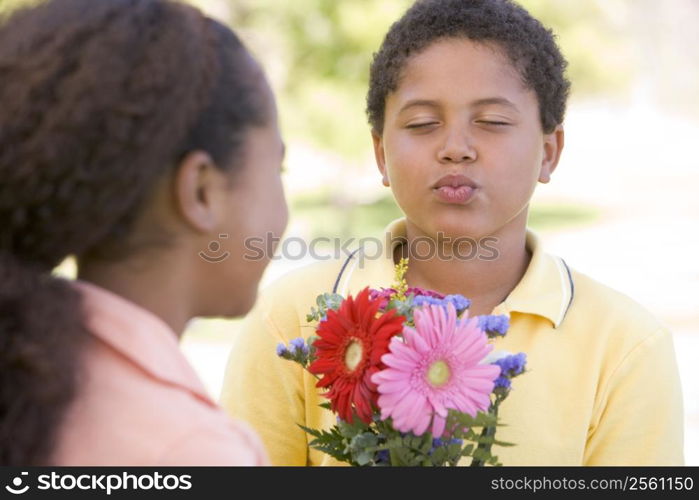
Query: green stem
x,y
488,431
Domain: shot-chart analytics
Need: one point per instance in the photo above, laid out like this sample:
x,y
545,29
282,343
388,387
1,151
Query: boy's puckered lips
x,y
455,181
457,189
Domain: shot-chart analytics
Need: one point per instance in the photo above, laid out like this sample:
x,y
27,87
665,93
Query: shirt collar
x,y
545,290
140,336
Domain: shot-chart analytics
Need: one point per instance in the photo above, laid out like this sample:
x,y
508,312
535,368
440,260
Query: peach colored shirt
x,y
140,402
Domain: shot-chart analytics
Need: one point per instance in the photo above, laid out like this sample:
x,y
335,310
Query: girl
x,y
466,103
134,134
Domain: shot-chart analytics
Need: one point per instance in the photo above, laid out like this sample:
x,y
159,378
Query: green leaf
x,y
403,457
402,307
329,442
492,441
329,301
483,456
439,456
453,453
334,452
413,450
324,302
349,430
394,443
313,432
361,447
493,460
313,315
458,419
426,444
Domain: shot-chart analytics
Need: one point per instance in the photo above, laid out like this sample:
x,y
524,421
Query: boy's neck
x,y
485,282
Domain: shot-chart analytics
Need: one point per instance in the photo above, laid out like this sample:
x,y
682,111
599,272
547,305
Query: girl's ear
x,y
197,190
380,156
553,146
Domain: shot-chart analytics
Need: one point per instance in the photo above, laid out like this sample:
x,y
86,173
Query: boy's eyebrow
x,y
480,102
419,102
495,100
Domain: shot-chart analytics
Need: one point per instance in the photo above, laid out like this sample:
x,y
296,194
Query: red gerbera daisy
x,y
349,349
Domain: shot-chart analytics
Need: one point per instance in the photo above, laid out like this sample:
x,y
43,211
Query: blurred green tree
x,y
320,51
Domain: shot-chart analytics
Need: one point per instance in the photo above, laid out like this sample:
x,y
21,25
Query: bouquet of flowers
x,y
409,375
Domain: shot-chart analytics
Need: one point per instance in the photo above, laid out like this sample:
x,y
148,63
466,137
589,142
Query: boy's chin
x,y
454,226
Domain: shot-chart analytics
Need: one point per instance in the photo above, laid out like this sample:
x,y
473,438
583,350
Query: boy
x,y
466,103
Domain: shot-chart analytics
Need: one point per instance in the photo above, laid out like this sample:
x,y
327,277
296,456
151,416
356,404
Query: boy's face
x,y
462,145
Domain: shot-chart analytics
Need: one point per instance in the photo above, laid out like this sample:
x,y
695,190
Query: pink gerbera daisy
x,y
434,368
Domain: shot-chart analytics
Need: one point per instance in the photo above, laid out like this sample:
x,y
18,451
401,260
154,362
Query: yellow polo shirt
x,y
602,386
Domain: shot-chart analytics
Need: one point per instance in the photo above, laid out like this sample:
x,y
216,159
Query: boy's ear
x,y
380,156
197,191
553,146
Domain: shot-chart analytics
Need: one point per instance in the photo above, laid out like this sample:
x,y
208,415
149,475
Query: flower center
x,y
438,373
353,355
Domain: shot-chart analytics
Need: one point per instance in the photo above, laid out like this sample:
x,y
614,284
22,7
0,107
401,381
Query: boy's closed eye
x,y
497,123
494,121
487,122
421,125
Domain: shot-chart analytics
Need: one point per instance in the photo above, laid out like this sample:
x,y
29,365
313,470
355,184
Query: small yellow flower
x,y
401,286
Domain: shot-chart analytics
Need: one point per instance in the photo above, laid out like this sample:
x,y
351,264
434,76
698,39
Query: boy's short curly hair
x,y
529,45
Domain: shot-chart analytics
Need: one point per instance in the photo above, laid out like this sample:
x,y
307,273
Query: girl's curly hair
x,y
98,101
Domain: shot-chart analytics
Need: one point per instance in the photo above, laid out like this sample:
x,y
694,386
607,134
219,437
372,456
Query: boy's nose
x,y
457,149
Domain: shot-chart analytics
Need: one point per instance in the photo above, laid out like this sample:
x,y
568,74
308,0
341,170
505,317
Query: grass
x,y
551,217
